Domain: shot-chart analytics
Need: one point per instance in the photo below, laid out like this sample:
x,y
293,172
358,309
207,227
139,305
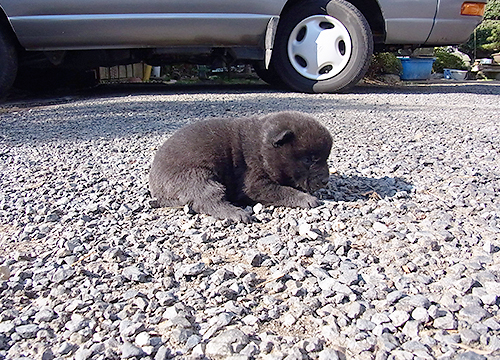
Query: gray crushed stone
x,y
400,262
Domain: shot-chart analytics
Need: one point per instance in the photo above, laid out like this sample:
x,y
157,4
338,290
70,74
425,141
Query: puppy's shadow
x,y
353,188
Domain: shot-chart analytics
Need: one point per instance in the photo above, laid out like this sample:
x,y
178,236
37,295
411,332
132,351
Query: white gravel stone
x,y
129,351
380,227
380,318
134,274
227,343
420,314
27,331
328,354
143,339
257,208
305,230
399,317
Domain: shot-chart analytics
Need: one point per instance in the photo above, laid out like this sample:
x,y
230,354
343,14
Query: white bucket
x,y
455,74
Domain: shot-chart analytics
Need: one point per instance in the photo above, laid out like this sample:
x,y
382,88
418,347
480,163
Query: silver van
x,y
307,45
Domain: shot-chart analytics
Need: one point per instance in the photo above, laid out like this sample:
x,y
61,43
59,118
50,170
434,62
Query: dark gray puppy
x,y
211,165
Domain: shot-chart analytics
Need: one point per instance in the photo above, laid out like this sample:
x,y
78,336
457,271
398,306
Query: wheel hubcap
x,y
319,47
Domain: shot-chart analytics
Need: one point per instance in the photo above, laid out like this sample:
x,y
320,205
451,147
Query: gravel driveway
x,y
401,262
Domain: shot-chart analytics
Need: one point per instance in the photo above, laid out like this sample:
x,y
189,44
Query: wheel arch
x,y
8,55
4,22
6,26
369,8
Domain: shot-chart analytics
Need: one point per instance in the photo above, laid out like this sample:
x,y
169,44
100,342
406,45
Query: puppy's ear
x,y
282,138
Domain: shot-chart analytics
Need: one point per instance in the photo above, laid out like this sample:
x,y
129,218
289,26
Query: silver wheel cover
x,y
319,47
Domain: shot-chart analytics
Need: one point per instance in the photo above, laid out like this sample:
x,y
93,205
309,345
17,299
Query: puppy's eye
x,y
307,160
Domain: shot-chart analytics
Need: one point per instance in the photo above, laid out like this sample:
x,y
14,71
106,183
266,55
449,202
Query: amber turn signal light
x,y
473,8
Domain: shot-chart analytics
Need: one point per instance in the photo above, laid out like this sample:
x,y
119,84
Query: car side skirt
x,y
96,31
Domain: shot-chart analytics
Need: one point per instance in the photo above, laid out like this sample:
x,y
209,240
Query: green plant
x,y
492,11
446,60
384,63
492,28
486,38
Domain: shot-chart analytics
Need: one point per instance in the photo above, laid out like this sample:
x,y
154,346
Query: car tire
x,y
268,75
322,46
8,61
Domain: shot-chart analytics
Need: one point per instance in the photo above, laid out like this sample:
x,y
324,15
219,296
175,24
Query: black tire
x,y
8,61
268,75
340,24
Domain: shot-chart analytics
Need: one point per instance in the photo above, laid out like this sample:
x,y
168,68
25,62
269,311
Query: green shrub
x,y
491,28
486,39
446,60
492,11
384,63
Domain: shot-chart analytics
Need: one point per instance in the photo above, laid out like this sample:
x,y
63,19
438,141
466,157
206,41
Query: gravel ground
x,y
401,262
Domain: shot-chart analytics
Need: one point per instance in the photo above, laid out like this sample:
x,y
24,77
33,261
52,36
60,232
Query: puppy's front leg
x,y
270,193
213,203
221,209
208,196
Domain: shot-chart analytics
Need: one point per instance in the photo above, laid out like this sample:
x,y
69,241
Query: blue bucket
x,y
416,68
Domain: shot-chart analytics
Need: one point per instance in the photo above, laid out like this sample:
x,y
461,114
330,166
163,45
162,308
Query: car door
x,y
408,22
91,24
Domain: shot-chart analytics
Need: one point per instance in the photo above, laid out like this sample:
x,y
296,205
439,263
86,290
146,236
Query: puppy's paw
x,y
306,201
241,216
228,211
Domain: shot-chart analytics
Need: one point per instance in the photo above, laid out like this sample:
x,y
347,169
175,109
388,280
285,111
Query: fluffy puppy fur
x,y
214,164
